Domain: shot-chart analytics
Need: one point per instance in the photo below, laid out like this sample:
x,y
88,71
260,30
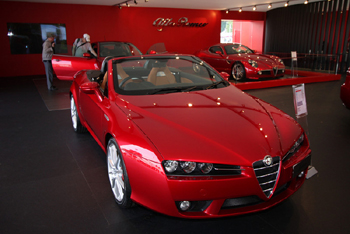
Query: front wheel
x,y
77,126
118,176
238,71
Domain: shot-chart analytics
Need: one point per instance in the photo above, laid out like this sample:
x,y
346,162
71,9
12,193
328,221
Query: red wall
x,y
133,24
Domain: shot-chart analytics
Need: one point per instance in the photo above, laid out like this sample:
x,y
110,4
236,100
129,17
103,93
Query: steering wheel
x,y
129,78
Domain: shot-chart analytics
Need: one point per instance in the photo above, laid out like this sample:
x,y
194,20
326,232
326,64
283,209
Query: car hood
x,y
218,125
267,60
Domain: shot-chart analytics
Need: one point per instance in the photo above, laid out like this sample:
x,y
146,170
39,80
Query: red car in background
x,y
345,90
65,66
242,62
163,122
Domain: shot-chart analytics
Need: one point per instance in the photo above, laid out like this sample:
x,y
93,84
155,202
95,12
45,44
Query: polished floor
x,y
53,180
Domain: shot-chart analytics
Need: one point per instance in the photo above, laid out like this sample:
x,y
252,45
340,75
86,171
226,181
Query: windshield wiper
x,y
215,84
167,90
193,88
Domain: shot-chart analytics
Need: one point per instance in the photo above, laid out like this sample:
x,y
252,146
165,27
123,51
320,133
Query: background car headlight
x,y
281,61
296,146
170,166
188,166
253,63
205,167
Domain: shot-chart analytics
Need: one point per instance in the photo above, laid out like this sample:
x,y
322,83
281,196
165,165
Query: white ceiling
x,y
188,4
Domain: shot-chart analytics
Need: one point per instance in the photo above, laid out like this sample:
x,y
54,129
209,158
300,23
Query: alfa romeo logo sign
x,y
182,22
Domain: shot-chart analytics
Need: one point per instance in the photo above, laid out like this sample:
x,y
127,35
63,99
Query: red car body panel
x,y
223,126
66,66
345,90
224,62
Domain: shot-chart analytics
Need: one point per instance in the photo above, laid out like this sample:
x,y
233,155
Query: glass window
x,y
237,49
163,75
29,38
118,49
214,49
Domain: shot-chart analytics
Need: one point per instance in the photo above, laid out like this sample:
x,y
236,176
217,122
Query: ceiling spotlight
x,y
135,2
286,4
254,8
306,2
226,11
120,7
269,6
240,9
127,4
146,0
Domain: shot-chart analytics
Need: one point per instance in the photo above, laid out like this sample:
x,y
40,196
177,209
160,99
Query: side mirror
x,y
92,88
87,55
225,75
152,52
218,52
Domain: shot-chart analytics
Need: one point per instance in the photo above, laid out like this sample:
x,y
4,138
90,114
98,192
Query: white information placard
x,y
299,100
294,56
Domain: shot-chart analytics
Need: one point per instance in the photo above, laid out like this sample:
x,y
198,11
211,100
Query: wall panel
x,y
319,28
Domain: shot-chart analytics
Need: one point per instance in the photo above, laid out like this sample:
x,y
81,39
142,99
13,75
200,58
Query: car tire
x,y
77,126
118,177
238,71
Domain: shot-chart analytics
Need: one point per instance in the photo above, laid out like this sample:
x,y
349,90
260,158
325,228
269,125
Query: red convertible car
x,y
181,140
66,66
345,90
242,62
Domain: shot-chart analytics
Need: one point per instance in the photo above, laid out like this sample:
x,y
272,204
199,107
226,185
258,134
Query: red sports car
x,y
65,66
345,90
184,142
242,62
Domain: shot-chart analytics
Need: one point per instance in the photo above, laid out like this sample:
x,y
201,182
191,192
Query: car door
x,y
94,107
66,66
218,61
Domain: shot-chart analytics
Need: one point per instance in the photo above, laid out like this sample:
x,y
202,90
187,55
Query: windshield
x,y
118,49
237,49
159,75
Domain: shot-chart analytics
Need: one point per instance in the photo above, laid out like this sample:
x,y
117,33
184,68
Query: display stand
x,y
301,115
294,64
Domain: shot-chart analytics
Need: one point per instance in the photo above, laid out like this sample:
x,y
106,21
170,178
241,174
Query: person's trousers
x,y
49,73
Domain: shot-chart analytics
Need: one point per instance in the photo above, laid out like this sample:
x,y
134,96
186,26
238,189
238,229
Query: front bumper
x,y
220,197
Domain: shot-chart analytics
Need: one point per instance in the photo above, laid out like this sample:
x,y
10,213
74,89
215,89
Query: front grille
x,y
266,72
267,175
250,200
241,202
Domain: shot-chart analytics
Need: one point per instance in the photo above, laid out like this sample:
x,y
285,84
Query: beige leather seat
x,y
121,73
161,76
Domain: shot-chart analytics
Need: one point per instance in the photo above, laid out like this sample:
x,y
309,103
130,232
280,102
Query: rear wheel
x,y
77,126
118,176
238,71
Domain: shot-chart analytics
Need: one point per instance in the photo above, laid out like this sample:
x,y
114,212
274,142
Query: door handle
x,y
57,60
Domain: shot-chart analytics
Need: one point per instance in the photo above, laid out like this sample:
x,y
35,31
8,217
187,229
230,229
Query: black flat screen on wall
x,y
29,38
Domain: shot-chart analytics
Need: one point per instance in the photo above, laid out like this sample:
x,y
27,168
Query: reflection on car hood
x,y
218,125
268,60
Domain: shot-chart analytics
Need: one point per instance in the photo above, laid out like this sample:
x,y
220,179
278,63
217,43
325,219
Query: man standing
x,y
82,45
47,57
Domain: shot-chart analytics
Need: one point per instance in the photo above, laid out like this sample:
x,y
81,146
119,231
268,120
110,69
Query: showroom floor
x,y
53,180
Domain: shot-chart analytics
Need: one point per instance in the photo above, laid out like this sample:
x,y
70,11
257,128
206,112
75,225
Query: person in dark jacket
x,y
48,51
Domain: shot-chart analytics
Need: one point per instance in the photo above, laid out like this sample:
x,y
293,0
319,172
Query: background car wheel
x,y
118,176
77,126
238,71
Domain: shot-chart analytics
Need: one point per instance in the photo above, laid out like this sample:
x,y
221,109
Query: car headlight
x,y
205,167
281,61
189,168
296,146
253,63
170,166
